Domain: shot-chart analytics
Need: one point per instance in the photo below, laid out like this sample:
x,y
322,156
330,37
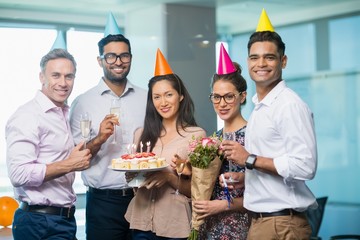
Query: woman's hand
x,y
187,168
240,176
208,208
130,176
155,179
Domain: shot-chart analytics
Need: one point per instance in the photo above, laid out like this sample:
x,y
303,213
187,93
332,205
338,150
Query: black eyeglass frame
x,y
120,56
234,95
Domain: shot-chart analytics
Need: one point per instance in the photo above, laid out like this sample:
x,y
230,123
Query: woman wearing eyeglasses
x,y
224,221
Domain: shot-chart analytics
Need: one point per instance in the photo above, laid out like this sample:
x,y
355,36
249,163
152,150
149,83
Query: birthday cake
x,y
144,160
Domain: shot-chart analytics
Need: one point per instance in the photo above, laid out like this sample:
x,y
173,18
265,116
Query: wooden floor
x,y
6,233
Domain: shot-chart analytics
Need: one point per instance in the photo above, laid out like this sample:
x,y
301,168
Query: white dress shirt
x,y
281,127
97,102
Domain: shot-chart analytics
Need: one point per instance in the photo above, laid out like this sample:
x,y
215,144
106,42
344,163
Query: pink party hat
x,y
264,23
226,66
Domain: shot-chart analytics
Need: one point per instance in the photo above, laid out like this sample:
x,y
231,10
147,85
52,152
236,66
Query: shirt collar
x,y
46,104
104,88
271,96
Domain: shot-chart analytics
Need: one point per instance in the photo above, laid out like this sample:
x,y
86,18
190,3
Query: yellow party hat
x,y
264,23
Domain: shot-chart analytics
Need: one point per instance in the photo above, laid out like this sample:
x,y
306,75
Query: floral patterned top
x,y
229,224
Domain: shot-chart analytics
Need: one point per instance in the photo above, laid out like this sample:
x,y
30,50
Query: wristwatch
x,y
250,161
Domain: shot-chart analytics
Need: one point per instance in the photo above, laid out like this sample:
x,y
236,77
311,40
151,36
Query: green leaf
x,y
193,235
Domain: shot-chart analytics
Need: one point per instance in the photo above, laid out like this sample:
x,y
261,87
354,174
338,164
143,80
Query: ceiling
x,y
232,16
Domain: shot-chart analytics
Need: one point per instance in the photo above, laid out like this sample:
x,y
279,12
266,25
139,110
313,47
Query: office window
x,y
300,48
333,100
21,50
344,43
83,46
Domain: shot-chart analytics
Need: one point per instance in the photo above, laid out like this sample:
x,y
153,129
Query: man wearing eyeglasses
x,y
108,194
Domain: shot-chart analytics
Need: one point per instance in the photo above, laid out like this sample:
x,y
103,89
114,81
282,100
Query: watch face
x,y
250,161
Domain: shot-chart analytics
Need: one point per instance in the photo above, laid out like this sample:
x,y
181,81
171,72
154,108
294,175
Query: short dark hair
x,y
56,54
267,36
112,38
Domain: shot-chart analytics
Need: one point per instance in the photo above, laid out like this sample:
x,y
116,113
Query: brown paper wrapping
x,y
202,185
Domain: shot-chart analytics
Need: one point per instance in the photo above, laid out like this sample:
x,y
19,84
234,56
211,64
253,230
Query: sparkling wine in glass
x,y
85,126
232,137
115,109
181,156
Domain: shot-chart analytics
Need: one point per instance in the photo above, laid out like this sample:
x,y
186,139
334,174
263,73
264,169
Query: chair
x,y
315,217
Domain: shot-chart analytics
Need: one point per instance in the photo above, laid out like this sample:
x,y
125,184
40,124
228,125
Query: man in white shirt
x,y
280,147
108,194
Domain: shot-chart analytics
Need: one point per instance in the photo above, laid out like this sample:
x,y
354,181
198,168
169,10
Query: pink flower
x,y
203,150
206,142
192,145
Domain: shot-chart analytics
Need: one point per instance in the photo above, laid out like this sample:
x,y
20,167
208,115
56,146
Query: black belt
x,y
60,211
285,212
122,192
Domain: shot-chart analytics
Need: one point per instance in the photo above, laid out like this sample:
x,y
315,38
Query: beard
x,y
116,78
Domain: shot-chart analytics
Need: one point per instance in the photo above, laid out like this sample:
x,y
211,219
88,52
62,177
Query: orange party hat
x,y
161,66
264,23
225,66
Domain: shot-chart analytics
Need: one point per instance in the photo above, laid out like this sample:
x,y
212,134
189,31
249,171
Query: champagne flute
x,y
181,156
232,137
85,126
115,109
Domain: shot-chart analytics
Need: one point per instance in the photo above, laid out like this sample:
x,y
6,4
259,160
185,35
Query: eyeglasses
x,y
228,98
111,58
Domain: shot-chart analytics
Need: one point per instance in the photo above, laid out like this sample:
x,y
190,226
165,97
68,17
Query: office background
x,y
322,44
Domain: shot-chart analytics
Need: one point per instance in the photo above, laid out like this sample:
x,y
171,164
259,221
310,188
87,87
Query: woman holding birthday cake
x,y
155,212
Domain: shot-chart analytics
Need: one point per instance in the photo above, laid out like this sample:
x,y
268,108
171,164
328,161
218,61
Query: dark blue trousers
x,y
105,216
141,235
40,226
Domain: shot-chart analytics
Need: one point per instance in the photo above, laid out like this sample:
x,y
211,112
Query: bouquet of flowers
x,y
205,158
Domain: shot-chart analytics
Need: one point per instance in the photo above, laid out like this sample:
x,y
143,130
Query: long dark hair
x,y
153,120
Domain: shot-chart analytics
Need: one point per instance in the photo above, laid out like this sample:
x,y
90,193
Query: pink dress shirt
x,y
38,133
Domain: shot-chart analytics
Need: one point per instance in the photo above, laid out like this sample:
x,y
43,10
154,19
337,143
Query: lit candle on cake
x,y
129,149
133,149
148,147
141,147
